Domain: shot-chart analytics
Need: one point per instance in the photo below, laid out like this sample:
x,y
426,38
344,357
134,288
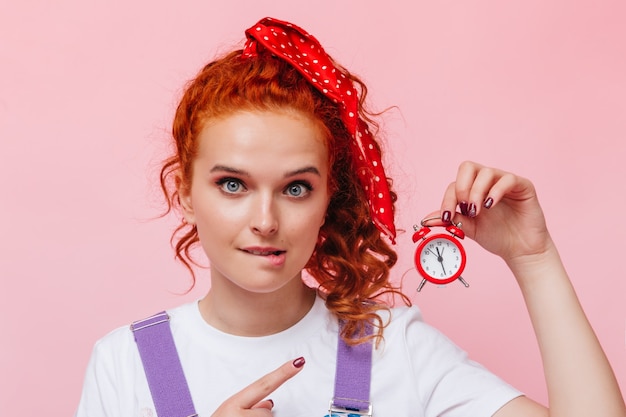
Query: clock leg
x,y
464,282
421,285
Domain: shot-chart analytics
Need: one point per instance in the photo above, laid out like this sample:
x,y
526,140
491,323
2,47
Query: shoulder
x,y
115,379
119,345
441,376
424,347
407,324
412,347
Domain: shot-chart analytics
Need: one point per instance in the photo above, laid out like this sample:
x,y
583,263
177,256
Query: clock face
x,y
440,259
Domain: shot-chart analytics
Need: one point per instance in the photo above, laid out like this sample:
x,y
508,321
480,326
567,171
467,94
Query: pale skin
x,y
259,185
579,378
259,181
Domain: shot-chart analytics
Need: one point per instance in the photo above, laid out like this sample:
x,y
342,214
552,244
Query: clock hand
x,y
440,259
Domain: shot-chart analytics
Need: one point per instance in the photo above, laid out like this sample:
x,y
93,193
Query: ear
x,y
184,198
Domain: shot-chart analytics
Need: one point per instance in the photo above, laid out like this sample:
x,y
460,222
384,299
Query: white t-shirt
x,y
416,371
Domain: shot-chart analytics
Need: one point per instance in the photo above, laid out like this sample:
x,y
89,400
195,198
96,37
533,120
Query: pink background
x,y
87,91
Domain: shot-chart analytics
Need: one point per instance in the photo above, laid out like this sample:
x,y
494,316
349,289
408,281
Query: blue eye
x,y
298,189
230,185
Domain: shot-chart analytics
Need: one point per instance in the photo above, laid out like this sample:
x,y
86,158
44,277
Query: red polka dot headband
x,y
304,52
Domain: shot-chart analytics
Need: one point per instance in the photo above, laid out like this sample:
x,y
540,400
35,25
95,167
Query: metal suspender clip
x,y
338,411
159,318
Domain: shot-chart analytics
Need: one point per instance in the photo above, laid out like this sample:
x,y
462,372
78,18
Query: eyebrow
x,y
299,171
305,170
218,168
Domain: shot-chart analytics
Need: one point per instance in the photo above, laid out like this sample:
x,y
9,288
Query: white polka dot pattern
x,y
304,52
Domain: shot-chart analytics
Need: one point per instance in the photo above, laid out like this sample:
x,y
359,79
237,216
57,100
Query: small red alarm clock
x,y
440,258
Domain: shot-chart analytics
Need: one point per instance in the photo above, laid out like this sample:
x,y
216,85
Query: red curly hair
x,y
351,261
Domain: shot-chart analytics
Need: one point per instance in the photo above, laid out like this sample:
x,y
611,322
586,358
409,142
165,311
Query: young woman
x,y
276,172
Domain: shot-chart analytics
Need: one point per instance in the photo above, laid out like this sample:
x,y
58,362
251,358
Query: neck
x,y
236,311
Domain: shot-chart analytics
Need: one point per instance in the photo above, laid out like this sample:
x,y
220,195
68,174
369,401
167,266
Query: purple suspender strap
x,y
161,363
170,391
352,379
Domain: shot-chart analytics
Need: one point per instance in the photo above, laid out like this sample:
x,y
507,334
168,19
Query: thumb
x,y
267,404
436,218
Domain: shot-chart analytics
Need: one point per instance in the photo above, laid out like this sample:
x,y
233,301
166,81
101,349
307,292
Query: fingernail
x,y
446,216
463,207
488,203
299,363
472,210
271,402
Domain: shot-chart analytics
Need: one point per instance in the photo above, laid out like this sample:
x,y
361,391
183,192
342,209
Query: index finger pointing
x,y
264,386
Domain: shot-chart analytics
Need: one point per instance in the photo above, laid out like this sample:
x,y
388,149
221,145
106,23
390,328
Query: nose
x,y
264,219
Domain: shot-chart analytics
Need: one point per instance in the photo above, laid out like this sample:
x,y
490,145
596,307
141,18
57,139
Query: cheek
x,y
217,225
211,209
309,225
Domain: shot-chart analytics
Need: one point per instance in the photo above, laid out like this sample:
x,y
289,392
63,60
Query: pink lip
x,y
274,255
261,249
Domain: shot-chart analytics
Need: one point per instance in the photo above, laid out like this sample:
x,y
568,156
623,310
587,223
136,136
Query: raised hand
x,y
499,210
252,400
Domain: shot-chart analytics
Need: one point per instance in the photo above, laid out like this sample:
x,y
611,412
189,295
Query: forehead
x,y
260,136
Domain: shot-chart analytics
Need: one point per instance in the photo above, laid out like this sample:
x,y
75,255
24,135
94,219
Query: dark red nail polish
x,y
488,203
472,210
299,363
271,402
446,216
463,207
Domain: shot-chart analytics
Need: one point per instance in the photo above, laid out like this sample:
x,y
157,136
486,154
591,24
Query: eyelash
x,y
304,184
222,183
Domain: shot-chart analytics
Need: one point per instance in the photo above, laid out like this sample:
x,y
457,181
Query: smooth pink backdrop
x,y
87,91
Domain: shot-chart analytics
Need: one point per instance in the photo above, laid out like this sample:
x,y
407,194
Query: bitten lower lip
x,y
275,256
259,251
